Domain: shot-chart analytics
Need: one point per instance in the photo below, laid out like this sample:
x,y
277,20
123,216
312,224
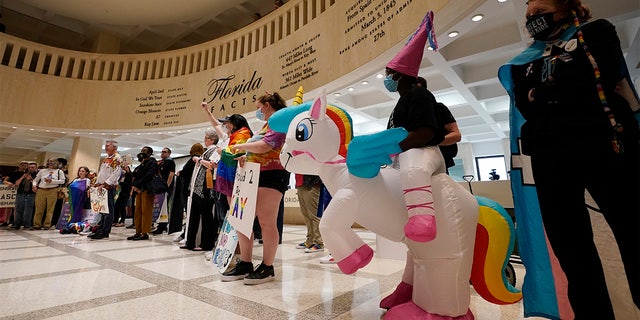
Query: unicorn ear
x,y
319,107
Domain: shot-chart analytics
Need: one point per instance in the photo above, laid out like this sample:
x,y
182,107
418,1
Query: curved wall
x,y
306,42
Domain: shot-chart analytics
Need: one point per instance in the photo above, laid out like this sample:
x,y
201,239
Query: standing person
x,y
565,91
62,165
79,190
182,192
108,176
167,171
20,179
124,195
308,188
201,214
142,175
45,185
448,124
263,148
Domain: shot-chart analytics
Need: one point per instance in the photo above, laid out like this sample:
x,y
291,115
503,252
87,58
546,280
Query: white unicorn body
x,y
440,269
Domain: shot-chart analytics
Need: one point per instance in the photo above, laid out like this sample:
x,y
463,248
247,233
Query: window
x,y
491,168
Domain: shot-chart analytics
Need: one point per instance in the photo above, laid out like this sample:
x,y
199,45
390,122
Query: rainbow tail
x,y
495,239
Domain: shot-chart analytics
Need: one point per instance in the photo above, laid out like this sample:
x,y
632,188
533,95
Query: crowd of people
x,y
550,101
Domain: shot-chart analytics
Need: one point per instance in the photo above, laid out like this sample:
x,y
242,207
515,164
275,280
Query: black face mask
x,y
541,26
142,156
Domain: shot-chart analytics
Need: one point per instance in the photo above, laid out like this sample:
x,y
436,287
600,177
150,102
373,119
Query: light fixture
x,y
477,17
337,94
379,75
502,0
453,34
364,82
350,89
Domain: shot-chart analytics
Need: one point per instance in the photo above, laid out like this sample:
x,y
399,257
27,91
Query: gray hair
x,y
211,134
112,142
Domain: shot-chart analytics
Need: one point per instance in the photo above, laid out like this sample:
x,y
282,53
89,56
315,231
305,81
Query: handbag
x,y
157,185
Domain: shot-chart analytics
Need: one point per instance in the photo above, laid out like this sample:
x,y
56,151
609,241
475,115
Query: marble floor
x,y
48,275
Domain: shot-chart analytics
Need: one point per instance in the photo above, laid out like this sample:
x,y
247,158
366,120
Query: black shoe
x,y
98,236
141,237
134,236
262,274
241,270
157,232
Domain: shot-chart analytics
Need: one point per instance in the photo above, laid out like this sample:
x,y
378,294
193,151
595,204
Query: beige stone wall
x,y
310,43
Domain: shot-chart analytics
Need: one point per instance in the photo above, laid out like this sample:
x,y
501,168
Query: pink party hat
x,y
407,61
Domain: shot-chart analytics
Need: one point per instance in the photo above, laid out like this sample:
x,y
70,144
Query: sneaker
x,y
241,270
182,242
262,274
328,260
178,238
314,248
302,245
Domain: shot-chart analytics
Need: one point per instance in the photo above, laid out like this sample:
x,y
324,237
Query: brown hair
x,y
274,100
196,149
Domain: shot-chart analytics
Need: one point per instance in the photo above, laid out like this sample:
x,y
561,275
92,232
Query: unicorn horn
x,y
298,99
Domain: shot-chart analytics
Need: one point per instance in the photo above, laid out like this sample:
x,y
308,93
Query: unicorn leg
x,y
416,168
343,243
404,290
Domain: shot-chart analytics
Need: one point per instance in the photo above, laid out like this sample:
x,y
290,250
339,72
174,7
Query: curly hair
x,y
196,149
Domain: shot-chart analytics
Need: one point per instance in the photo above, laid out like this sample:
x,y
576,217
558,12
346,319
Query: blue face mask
x,y
259,115
390,84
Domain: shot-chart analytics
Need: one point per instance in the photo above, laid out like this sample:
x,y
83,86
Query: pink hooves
x,y
358,259
402,294
410,310
421,228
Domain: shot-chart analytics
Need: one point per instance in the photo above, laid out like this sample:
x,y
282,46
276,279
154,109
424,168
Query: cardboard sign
x,y
160,212
99,200
225,247
243,202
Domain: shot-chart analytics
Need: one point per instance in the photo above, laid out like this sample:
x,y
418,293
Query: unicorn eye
x,y
304,130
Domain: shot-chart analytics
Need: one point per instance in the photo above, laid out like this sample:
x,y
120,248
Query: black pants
x,y
121,205
202,215
561,191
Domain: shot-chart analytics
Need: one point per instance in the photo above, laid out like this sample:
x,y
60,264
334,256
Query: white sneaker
x,y
328,260
208,255
178,238
182,242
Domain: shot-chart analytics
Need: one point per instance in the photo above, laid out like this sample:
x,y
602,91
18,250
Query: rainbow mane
x,y
345,127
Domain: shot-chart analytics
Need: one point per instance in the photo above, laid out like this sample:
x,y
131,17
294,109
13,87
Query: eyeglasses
x,y
164,151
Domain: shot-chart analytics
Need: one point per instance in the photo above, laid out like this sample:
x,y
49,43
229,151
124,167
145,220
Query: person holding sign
x,y
263,148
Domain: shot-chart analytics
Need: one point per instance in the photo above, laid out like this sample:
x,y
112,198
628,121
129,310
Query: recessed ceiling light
x,y
365,82
502,0
350,89
453,34
379,75
76,132
31,129
337,94
477,17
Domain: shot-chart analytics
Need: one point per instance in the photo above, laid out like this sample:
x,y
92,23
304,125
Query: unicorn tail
x,y
495,239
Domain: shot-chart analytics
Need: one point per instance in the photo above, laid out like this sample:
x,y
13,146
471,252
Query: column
x,y
85,152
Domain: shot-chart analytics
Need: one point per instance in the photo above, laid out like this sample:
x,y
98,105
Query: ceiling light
x,y
364,82
502,0
379,75
453,34
350,89
337,94
31,129
477,17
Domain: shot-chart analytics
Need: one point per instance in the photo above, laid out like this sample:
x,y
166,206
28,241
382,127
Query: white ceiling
x,y
462,74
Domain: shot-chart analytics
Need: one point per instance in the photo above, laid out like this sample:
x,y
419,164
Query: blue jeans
x,y
24,209
107,219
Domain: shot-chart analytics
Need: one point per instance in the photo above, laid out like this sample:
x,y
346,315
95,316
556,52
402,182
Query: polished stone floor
x,y
47,275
